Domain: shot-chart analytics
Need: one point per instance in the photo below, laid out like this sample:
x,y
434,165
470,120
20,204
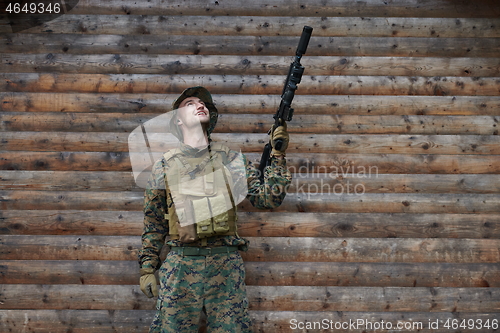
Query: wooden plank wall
x,y
396,124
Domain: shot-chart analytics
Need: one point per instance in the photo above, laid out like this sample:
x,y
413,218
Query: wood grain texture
x,y
252,123
258,104
271,26
262,298
137,321
303,249
427,8
376,299
260,84
320,181
50,45
109,273
338,200
382,163
28,66
299,143
262,224
71,222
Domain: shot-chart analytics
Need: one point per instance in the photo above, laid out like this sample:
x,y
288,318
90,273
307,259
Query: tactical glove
x,y
148,282
279,133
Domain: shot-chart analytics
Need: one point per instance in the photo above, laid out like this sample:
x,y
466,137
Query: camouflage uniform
x,y
212,283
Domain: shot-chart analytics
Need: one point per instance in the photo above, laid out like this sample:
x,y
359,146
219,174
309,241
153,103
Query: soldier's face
x,y
193,112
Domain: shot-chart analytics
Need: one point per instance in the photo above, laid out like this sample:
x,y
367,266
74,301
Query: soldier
x,y
191,197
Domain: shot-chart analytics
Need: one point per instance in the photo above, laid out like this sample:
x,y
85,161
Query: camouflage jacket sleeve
x,y
271,193
155,225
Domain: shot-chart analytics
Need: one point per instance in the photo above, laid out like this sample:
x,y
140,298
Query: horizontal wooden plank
x,y
70,247
350,124
262,224
270,26
94,122
263,85
374,299
87,200
164,64
248,65
261,104
73,222
304,249
371,274
427,8
377,144
370,225
100,161
345,179
268,298
329,202
78,321
74,272
384,163
299,143
373,250
321,181
69,180
387,203
391,163
253,123
137,321
85,297
94,272
49,46
65,141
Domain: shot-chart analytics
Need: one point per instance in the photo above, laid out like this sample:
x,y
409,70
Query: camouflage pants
x,y
190,284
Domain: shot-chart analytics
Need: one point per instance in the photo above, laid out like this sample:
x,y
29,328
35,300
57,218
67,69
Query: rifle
x,y
285,112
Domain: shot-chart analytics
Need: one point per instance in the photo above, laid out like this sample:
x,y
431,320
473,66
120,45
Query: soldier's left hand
x,y
280,133
148,283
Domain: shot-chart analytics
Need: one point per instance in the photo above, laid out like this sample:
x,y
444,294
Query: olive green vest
x,y
199,198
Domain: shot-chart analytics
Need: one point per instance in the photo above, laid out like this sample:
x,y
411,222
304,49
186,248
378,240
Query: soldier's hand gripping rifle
x,y
285,112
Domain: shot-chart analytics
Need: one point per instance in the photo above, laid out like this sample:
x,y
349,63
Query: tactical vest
x,y
200,202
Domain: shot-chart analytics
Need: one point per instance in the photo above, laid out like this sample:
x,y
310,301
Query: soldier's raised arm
x,y
269,191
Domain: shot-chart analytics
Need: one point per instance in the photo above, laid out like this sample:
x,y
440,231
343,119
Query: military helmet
x,y
203,94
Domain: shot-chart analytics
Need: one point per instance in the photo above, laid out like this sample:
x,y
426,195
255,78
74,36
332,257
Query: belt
x,y
202,251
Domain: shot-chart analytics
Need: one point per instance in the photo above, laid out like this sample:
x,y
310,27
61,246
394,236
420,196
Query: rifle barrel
x,y
304,40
